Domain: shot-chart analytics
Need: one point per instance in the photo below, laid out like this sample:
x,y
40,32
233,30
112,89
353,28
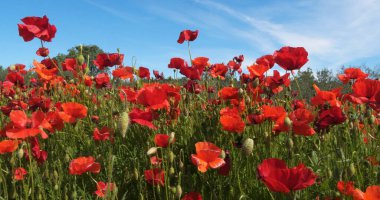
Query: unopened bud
x,y
123,123
247,146
151,151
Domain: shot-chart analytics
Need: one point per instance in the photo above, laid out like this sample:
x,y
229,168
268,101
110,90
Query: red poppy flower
x,y
102,80
24,127
39,154
200,63
155,160
162,140
103,134
128,93
187,35
279,178
177,63
192,73
157,75
82,165
73,111
326,96
144,73
207,156
8,146
87,80
346,188
231,120
371,193
228,93
16,78
352,73
219,70
104,188
192,196
366,89
332,116
104,60
70,64
276,81
152,96
45,72
142,117
301,119
257,71
291,58
123,73
193,87
155,176
54,121
17,68
43,52
19,174
36,27
266,60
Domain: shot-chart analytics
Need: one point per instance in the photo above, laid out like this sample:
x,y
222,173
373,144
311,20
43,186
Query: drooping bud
x,y
20,153
352,170
179,191
151,151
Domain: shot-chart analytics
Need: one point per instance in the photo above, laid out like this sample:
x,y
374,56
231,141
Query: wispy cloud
x,y
333,33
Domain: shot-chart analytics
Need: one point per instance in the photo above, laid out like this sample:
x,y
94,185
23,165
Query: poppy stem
x,y
298,86
188,48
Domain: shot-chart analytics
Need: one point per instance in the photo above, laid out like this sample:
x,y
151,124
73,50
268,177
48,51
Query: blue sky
x,y
335,33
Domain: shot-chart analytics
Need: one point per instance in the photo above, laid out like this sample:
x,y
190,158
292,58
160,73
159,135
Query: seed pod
x,y
247,146
123,123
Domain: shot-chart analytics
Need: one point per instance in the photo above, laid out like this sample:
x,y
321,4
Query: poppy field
x,y
232,130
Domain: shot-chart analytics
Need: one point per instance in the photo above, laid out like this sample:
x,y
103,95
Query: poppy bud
x,y
256,82
67,158
181,165
20,153
80,59
151,151
222,154
123,123
290,143
372,119
74,195
329,173
171,171
173,190
179,191
43,52
172,137
352,170
247,146
288,122
171,157
56,187
136,174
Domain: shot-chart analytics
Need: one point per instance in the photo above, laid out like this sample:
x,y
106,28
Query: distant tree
x,y
89,52
305,80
